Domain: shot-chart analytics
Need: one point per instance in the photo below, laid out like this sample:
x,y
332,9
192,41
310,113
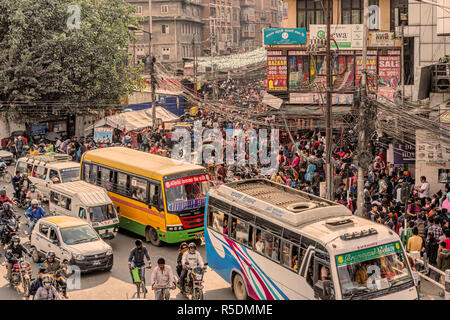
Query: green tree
x,y
47,68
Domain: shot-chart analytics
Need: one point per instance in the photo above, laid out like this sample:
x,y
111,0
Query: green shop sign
x,y
368,254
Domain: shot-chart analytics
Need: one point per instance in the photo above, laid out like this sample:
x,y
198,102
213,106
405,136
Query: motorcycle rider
x,y
53,266
5,215
16,183
162,277
181,251
36,284
34,213
136,259
195,260
33,194
4,197
15,248
47,291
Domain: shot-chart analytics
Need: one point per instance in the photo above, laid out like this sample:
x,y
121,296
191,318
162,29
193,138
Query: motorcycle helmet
x,y
47,281
15,239
3,192
183,245
192,245
34,202
51,254
6,206
32,187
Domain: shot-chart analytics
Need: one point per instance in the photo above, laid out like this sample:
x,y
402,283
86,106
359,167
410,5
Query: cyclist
x,y
195,260
136,260
162,279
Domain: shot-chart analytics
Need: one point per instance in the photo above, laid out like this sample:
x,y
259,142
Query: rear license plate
x,y
199,235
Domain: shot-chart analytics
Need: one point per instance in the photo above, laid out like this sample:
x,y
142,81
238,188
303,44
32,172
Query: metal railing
x,y
426,270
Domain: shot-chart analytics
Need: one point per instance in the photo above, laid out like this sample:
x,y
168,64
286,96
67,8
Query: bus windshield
x,y
186,197
372,270
102,213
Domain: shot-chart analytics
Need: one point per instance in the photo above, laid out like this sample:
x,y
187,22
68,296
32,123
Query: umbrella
x,y
52,136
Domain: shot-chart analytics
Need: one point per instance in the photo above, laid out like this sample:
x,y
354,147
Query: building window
x,y
165,28
164,8
212,12
353,11
139,9
310,12
166,53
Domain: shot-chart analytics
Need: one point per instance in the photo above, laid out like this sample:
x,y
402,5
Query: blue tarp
x,y
170,105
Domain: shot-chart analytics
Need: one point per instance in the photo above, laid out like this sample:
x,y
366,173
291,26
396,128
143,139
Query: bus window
x,y
286,254
242,232
106,179
233,228
267,238
22,167
276,249
310,269
40,172
259,243
294,260
216,219
122,186
87,172
54,198
139,189
29,169
225,224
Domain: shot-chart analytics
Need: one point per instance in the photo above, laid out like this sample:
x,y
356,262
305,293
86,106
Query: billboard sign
x,y
277,73
284,36
317,98
389,70
347,36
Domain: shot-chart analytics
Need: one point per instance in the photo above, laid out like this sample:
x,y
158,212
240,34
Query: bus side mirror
x,y
322,290
118,209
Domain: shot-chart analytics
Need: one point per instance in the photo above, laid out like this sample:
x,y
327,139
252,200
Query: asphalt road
x,y
117,285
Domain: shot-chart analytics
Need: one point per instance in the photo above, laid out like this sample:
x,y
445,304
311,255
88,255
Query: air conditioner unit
x,y
440,78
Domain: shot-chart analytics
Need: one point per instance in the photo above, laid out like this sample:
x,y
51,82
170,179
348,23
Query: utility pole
x,y
362,143
403,61
195,65
152,64
328,120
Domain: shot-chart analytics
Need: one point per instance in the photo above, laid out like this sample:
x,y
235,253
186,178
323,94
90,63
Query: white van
x,y
41,169
88,202
73,241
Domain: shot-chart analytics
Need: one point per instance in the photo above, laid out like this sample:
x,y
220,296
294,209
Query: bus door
x,y
323,284
307,273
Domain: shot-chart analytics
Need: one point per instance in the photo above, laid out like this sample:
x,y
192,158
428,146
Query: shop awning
x,y
134,120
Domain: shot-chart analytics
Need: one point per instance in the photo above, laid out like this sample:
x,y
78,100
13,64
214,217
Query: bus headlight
x,y
174,228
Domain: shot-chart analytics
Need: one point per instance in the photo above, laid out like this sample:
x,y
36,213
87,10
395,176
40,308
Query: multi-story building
x,y
175,24
222,28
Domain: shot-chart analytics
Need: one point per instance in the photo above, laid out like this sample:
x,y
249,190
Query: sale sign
x,y
389,70
276,73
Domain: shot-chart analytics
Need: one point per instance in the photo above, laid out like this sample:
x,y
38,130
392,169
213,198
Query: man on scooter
x,y
53,266
34,213
195,260
4,197
14,250
5,215
33,194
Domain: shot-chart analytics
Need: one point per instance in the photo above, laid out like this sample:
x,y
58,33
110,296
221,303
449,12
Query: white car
x,y
73,241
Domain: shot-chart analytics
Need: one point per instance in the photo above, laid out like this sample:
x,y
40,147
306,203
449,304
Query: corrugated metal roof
x,y
86,192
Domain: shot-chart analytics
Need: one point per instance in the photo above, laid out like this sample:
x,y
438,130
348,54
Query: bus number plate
x,y
199,235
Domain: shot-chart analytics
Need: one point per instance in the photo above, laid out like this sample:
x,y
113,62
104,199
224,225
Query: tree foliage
x,y
47,68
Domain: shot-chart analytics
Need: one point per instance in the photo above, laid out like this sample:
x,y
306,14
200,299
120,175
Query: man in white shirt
x,y
162,278
424,189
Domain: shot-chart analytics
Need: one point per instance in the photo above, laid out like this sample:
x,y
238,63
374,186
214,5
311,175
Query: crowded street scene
x,y
285,164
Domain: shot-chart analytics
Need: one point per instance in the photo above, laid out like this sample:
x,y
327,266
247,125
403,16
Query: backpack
x,y
421,227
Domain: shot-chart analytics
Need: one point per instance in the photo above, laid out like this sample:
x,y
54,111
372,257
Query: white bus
x,y
270,241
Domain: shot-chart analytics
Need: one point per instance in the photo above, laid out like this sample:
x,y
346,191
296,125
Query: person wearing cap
x,y
193,258
36,284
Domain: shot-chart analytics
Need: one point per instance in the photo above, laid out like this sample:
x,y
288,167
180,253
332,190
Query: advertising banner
x,y
382,39
277,73
371,64
404,153
368,254
39,129
184,181
347,36
389,70
284,36
316,98
386,92
103,134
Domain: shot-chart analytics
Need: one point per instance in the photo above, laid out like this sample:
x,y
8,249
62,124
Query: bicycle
x,y
140,281
162,293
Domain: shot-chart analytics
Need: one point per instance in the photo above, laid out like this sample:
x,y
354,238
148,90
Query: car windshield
x,y
371,270
102,213
185,197
70,174
79,234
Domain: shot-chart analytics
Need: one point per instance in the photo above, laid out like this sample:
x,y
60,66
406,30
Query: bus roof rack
x,y
281,202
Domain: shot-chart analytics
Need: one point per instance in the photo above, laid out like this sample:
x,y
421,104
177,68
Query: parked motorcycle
x,y
21,275
193,285
11,229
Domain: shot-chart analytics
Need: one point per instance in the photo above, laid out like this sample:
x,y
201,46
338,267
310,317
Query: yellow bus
x,y
156,197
